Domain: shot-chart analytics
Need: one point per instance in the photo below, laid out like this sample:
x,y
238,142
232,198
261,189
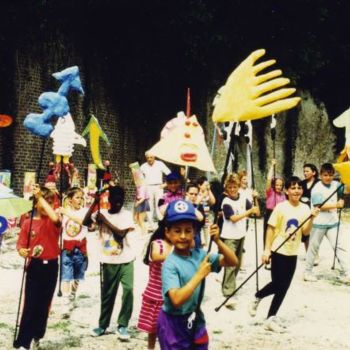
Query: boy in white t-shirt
x,y
326,224
236,209
117,259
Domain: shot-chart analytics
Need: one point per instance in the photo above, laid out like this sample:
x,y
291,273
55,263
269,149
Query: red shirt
x,y
43,242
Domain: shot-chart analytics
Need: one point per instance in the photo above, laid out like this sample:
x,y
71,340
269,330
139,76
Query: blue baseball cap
x,y
180,210
173,176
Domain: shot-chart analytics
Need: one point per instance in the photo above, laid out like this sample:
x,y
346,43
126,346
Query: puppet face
x,y
185,145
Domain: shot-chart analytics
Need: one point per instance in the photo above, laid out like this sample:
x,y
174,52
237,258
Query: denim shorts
x,y
74,265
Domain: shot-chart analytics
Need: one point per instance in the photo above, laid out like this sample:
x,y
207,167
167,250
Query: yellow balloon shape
x,y
248,96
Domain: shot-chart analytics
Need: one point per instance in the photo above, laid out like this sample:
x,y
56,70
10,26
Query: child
x,y
326,224
42,251
174,191
311,179
206,199
74,253
274,194
117,258
158,249
141,207
182,274
285,218
192,196
236,209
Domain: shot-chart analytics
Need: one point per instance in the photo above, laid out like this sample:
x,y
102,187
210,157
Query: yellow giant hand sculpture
x,y
248,96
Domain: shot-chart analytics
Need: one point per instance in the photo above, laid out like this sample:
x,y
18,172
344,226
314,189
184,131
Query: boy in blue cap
x,y
182,274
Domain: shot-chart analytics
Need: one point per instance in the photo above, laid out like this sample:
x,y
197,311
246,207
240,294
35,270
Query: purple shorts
x,y
173,333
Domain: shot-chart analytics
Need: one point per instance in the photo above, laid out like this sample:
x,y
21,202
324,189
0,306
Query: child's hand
x,y
214,232
204,267
62,211
266,257
315,211
24,252
255,194
254,211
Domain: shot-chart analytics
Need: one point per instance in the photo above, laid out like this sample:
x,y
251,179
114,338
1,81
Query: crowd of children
x,y
174,253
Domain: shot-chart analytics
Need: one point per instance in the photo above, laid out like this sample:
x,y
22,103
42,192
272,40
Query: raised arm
x,y
70,215
270,174
51,213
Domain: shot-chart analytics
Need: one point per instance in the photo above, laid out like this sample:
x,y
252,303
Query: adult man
x,y
153,171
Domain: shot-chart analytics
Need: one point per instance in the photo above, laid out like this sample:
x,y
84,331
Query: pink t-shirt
x,y
172,196
273,198
141,193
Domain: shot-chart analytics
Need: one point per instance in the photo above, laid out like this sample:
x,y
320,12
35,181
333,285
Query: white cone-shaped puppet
x,y
182,142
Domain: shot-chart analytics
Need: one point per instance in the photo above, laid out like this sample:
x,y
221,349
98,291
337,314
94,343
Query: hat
x,y
173,176
180,210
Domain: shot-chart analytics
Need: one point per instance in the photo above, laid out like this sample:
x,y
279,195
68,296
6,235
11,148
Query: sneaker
x,y
253,307
345,279
97,332
271,325
123,333
309,277
231,305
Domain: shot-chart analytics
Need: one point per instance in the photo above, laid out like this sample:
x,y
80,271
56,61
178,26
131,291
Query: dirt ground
x,y
316,315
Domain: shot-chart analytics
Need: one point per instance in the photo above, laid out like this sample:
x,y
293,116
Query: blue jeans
x,y
74,265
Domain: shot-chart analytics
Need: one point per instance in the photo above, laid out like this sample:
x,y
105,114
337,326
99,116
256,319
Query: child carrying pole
x,y
42,268
182,273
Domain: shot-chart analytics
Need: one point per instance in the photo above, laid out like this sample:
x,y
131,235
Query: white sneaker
x,y
309,277
345,279
271,325
253,307
231,305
